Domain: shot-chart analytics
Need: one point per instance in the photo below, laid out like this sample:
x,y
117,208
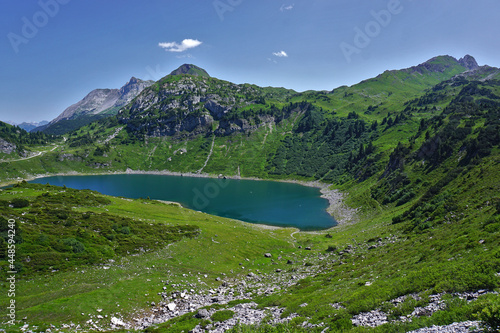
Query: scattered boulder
x,y
117,322
202,313
268,255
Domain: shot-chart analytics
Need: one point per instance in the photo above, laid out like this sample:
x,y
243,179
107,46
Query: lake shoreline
x,y
343,214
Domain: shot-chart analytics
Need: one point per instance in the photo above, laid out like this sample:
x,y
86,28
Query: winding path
x,y
40,153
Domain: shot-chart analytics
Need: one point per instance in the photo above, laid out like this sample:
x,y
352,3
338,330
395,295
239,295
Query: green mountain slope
x,y
189,69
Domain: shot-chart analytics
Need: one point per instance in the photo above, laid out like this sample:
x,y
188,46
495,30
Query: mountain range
x,y
29,126
107,102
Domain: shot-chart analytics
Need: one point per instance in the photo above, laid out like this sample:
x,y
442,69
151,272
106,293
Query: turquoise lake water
x,y
264,202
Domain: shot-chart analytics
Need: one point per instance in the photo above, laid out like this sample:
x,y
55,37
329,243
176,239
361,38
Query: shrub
x,y
331,248
222,315
43,240
75,245
489,315
3,248
20,203
405,198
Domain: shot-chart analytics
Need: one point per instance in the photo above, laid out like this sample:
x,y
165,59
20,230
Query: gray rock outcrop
x,y
468,62
6,147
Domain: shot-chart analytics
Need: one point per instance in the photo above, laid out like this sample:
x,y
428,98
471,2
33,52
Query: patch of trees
x,y
69,125
474,89
458,132
432,205
328,149
390,122
82,140
19,137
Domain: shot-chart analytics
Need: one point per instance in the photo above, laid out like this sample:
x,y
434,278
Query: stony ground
x,y
198,299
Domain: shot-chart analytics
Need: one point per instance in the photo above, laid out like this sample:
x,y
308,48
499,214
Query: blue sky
x,y
54,52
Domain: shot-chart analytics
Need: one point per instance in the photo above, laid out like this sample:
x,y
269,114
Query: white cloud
x,y
281,54
183,46
287,7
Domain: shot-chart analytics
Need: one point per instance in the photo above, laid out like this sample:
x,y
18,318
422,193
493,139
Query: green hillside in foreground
x,y
415,152
68,255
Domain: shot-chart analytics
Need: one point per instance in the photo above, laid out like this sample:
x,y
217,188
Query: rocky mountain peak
x,y
444,63
468,62
102,101
190,69
135,85
133,80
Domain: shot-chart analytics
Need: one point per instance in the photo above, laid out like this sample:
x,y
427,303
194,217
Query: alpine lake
x,y
256,201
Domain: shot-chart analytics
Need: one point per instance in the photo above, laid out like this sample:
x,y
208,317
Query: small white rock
x,y
117,322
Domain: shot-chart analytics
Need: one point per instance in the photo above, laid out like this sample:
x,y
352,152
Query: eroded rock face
x,y
97,165
190,125
228,127
216,110
468,62
6,147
